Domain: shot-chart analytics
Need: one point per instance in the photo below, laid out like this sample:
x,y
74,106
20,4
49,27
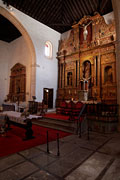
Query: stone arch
x,y
30,45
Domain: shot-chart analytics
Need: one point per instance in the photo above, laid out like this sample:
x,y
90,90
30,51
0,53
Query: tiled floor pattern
x,y
80,159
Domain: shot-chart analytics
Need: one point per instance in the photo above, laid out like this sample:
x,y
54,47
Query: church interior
x,y
59,73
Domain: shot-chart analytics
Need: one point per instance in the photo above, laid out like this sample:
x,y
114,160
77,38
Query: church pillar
x,y
116,8
95,71
78,73
92,75
99,74
61,78
59,74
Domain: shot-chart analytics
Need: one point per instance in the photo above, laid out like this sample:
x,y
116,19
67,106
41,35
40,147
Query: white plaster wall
x,y
10,54
4,56
109,17
19,53
46,69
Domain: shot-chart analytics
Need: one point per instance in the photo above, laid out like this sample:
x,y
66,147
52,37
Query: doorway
x,y
48,97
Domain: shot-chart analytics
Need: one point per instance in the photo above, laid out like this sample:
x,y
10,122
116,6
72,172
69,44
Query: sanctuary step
x,y
59,124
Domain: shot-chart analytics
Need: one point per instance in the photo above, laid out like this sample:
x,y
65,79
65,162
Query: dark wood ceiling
x,y
8,32
60,15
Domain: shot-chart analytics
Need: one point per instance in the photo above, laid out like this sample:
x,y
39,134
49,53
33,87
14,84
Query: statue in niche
x,y
108,74
85,31
69,78
86,70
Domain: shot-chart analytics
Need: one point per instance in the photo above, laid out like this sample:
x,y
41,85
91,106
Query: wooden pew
x,y
14,118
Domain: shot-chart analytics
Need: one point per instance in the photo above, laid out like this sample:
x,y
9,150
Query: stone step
x,y
58,121
55,124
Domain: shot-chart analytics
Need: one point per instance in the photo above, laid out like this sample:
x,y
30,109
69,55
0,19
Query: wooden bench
x,y
14,118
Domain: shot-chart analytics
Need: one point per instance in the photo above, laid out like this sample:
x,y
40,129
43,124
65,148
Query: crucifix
x,y
85,31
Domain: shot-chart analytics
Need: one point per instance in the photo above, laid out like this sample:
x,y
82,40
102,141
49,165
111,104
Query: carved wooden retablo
x,y
87,62
17,83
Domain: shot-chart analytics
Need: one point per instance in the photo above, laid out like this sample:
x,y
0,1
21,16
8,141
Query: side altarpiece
x,y
87,62
17,87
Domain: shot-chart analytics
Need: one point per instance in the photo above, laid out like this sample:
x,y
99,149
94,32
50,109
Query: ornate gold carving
x,y
100,52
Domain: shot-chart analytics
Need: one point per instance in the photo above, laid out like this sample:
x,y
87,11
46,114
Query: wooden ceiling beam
x,y
68,13
84,8
88,7
21,5
69,9
59,17
30,6
77,9
51,13
35,7
103,4
41,10
95,3
65,19
38,8
80,9
72,8
92,4
54,15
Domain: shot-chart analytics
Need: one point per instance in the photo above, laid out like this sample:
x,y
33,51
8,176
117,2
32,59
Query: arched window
x,y
48,49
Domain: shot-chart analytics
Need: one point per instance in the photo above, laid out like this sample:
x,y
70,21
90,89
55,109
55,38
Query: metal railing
x,y
80,119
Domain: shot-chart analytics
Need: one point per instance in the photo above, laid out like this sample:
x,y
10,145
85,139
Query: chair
x,y
68,109
42,108
61,109
77,108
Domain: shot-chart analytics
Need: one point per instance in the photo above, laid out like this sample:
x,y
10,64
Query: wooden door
x,y
48,97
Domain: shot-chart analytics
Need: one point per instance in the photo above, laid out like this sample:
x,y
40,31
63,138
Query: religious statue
x,y
85,31
69,79
108,74
86,70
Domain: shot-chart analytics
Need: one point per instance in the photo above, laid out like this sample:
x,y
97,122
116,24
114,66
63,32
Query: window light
x,y
48,49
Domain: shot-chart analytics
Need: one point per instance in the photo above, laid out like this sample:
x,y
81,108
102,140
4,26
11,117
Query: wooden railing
x,y
102,117
102,109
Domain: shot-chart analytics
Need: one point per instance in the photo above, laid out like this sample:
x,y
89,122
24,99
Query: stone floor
x,y
80,159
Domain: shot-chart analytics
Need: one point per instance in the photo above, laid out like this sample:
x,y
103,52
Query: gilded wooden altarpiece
x,y
87,57
17,83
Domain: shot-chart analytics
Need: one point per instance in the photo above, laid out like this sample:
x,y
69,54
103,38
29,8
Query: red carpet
x,y
56,116
13,142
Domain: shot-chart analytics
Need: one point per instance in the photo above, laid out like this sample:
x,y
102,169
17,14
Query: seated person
x,y
2,125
